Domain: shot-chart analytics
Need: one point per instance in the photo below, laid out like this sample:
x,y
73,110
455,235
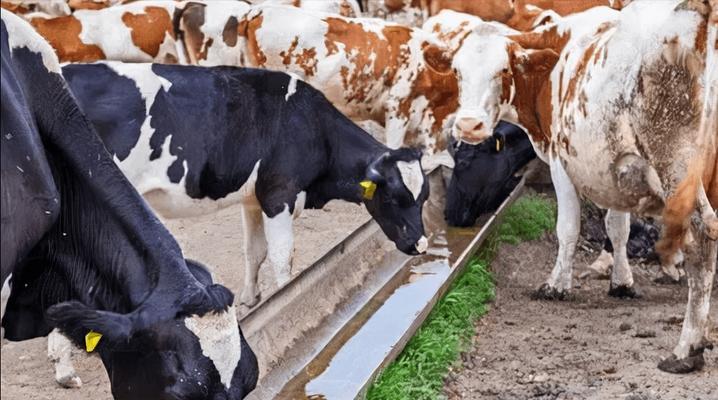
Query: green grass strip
x,y
419,371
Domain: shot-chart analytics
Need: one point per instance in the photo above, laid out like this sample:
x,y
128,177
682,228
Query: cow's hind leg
x,y
700,271
618,226
568,225
59,351
255,251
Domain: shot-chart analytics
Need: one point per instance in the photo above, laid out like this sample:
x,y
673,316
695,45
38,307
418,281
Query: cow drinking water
x,y
196,139
485,174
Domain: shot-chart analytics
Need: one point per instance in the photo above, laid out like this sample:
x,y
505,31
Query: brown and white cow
x,y
624,112
135,32
369,69
50,8
345,8
518,14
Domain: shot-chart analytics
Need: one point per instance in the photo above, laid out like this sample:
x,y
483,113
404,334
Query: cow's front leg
x,y
59,351
280,244
568,225
618,227
255,251
700,270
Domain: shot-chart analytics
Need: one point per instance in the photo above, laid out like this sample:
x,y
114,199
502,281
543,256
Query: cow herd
x,y
188,107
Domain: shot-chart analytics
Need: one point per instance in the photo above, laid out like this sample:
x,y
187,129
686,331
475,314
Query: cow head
x,y
394,192
194,357
494,72
484,174
187,357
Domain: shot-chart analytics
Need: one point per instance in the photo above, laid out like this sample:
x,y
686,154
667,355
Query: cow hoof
x,y
683,366
666,279
70,381
546,292
623,292
249,299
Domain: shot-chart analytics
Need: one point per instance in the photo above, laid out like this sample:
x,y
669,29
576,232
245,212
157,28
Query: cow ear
x,y
437,58
76,320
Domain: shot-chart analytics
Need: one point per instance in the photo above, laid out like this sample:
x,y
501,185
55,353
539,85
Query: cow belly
x,y
604,174
172,200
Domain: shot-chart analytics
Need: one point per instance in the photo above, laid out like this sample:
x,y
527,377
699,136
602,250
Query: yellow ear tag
x,y
369,189
498,144
91,340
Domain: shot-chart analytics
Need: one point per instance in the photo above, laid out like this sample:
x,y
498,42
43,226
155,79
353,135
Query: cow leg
x,y
618,226
4,297
669,269
568,225
59,351
280,244
255,251
700,271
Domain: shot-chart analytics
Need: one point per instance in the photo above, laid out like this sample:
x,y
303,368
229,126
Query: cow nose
x,y
471,130
422,245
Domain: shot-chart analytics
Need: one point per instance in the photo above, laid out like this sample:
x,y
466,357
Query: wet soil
x,y
589,347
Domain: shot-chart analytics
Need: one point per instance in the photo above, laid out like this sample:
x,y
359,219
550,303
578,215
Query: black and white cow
x,y
484,174
84,252
195,139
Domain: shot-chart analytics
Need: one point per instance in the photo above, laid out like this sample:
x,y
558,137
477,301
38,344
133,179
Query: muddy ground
x,y
590,347
216,241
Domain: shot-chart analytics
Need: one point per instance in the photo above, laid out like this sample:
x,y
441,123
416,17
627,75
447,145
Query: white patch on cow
x,y
280,243
292,87
21,34
219,340
412,176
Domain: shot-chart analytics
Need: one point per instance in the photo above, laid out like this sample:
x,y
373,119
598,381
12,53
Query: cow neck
x,y
350,150
531,79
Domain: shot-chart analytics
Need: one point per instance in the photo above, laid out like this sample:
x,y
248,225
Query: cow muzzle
x,y
471,130
422,245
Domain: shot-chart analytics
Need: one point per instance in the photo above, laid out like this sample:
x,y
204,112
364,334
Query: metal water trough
x,y
330,331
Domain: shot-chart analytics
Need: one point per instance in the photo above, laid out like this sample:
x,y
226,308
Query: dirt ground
x,y
590,347
216,241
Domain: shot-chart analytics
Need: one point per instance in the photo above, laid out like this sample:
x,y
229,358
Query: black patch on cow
x,y
118,123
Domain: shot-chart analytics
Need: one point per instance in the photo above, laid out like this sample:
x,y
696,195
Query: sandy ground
x,y
216,241
590,347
